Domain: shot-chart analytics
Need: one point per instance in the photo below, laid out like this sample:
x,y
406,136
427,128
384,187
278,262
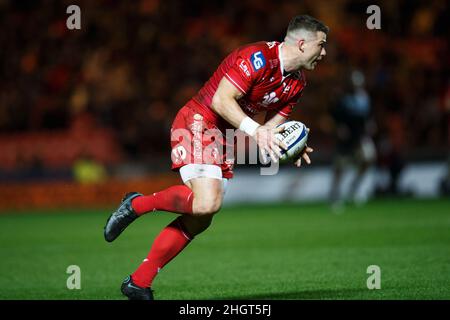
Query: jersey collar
x,y
284,74
280,58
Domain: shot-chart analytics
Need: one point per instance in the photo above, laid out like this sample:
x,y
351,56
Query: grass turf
x,y
288,251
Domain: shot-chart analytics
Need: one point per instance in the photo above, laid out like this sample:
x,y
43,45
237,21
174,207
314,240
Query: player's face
x,y
313,50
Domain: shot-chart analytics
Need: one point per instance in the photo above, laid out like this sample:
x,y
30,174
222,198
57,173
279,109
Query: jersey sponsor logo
x,y
270,98
197,129
258,60
244,68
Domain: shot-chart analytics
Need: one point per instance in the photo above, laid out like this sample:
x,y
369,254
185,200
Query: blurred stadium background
x,y
85,117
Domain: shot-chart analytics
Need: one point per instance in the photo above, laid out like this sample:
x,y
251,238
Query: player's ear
x,y
301,45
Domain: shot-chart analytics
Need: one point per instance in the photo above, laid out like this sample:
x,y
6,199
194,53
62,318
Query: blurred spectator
x,y
354,130
445,106
445,182
88,171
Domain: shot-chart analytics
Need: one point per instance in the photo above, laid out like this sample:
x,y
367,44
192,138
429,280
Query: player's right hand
x,y
268,143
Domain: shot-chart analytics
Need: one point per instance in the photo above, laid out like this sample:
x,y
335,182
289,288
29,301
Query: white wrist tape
x,y
249,126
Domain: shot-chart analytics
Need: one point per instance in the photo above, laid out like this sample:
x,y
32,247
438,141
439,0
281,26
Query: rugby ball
x,y
294,136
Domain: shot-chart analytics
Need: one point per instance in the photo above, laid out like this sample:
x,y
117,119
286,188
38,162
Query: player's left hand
x,y
304,155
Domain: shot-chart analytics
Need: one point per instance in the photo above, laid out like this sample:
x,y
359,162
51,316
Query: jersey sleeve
x,y
246,70
287,109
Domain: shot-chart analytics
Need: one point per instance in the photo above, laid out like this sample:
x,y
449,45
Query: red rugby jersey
x,y
257,71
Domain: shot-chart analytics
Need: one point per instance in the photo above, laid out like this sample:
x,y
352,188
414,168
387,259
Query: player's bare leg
x,y
208,197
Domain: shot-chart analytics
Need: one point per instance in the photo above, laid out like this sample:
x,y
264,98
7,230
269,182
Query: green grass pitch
x,y
284,251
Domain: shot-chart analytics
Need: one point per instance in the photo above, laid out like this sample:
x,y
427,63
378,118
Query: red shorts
x,y
197,140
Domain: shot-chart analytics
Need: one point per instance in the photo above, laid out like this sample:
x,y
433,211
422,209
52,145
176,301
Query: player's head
x,y
308,36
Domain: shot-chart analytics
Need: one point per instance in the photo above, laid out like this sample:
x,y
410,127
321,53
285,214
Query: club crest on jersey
x,y
273,63
271,44
258,60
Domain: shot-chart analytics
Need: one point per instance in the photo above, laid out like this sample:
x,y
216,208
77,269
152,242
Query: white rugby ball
x,y
294,136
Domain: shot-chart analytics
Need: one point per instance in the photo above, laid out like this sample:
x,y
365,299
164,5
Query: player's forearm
x,y
229,109
274,119
224,103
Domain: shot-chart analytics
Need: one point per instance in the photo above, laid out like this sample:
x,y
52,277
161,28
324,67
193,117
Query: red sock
x,y
166,246
174,199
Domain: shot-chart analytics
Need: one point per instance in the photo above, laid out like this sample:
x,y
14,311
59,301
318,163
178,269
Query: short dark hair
x,y
307,23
